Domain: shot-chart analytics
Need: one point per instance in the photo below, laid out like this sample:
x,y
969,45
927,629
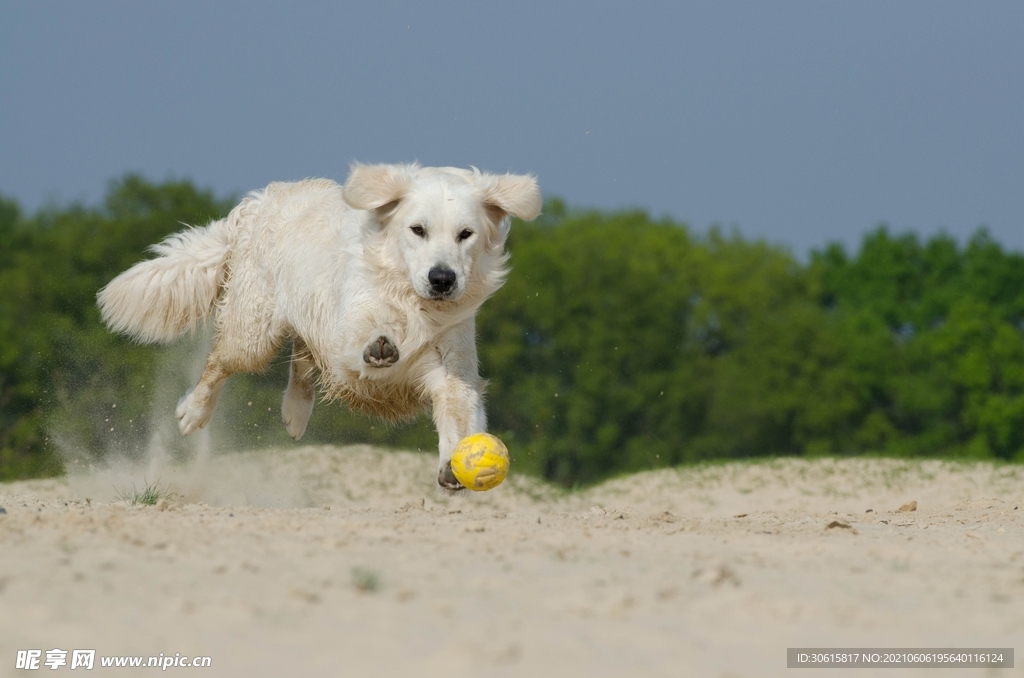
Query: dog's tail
x,y
155,301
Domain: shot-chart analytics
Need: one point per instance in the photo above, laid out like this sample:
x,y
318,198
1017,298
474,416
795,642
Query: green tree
x,y
619,343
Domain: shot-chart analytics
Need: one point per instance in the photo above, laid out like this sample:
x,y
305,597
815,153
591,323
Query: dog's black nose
x,y
441,279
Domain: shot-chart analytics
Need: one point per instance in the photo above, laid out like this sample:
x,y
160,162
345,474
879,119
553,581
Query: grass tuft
x,y
365,580
147,497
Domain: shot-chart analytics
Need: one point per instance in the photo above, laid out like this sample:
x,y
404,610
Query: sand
x,y
325,561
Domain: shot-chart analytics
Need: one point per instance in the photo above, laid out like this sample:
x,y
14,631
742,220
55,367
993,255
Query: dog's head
x,y
446,226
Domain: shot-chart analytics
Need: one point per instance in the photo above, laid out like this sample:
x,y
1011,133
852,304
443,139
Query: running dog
x,y
376,282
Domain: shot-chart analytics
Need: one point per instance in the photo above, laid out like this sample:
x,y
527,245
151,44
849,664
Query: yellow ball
x,y
480,462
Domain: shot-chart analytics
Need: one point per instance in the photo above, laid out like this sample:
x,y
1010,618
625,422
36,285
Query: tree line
x,y
619,343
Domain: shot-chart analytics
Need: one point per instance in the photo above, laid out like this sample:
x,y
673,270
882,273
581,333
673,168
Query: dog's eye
x,y
418,230
465,234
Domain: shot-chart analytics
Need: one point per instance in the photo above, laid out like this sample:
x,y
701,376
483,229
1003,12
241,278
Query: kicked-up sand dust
x,y
325,561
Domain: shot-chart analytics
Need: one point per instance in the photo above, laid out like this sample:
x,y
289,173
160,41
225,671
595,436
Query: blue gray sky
x,y
797,122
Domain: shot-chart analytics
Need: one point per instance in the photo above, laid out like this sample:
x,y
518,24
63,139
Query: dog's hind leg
x,y
196,407
249,334
229,355
297,405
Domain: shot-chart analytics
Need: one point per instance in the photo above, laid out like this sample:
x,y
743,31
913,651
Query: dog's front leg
x,y
456,391
458,412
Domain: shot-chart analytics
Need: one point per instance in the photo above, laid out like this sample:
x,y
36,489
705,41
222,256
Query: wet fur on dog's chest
x,y
393,393
389,399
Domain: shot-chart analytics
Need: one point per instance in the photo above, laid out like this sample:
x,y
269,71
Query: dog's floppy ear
x,y
509,195
370,187
515,195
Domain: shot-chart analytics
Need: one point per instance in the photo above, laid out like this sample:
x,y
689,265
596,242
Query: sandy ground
x,y
323,561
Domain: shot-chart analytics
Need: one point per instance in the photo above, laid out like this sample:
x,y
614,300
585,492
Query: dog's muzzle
x,y
442,282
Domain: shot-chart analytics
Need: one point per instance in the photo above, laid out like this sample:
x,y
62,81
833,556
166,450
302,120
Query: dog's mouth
x,y
451,295
441,296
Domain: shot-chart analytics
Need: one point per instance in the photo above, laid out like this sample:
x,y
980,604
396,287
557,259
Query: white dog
x,y
377,282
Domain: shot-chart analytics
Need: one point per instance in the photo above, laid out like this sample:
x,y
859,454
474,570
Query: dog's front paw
x,y
381,352
446,478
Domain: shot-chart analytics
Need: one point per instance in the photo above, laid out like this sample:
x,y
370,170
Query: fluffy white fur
x,y
377,282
